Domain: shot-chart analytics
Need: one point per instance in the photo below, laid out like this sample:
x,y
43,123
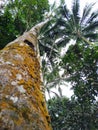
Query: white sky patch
x,y
69,2
66,91
64,50
82,4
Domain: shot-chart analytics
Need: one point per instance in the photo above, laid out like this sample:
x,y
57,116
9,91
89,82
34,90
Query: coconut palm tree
x,y
71,25
77,25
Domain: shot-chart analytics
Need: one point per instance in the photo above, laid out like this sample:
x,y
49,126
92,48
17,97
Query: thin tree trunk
x,y
22,106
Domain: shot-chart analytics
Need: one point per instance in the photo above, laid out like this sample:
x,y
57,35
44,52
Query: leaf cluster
x,y
17,16
67,114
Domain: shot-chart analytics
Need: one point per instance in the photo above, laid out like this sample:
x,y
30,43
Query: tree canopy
x,y
67,114
17,16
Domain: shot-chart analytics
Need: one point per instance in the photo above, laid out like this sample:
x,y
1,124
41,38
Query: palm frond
x,y
93,17
86,11
62,42
61,22
53,6
62,2
47,48
91,36
72,23
91,27
75,11
46,28
65,11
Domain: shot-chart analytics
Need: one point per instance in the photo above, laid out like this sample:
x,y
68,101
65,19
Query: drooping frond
x,y
86,11
62,2
65,12
65,26
91,27
93,17
91,36
61,22
62,42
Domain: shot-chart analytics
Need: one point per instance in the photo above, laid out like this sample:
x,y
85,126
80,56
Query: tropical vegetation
x,y
79,63
18,16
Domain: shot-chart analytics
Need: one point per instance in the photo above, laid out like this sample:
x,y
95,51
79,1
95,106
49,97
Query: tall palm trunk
x,y
22,106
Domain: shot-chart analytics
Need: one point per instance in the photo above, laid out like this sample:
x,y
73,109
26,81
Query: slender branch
x,y
87,41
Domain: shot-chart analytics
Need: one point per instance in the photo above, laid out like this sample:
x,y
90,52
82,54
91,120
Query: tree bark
x,y
22,105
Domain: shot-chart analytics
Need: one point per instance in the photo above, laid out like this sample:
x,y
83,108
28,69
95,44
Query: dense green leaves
x,y
80,65
7,29
83,70
70,115
19,16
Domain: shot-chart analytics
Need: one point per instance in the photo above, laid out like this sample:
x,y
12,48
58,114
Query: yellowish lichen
x,y
30,107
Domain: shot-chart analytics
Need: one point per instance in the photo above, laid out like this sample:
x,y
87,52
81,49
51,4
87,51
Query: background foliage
x,y
67,114
18,16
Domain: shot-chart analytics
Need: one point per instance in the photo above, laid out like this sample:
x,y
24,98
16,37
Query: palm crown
x,y
73,25
69,25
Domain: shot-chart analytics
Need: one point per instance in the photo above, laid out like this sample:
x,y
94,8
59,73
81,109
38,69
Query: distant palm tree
x,y
72,25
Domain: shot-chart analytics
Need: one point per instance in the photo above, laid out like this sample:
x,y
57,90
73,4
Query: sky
x,y
66,89
69,2
83,3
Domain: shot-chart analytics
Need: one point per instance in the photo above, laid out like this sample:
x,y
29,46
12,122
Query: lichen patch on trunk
x,y
22,106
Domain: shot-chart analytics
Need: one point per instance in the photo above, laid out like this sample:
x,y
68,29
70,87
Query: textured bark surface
x,y
22,106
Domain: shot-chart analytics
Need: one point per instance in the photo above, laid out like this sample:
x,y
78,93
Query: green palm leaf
x,y
91,26
65,11
91,36
75,11
86,11
93,16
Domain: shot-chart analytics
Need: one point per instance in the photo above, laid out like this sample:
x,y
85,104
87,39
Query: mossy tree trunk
x,y
22,106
